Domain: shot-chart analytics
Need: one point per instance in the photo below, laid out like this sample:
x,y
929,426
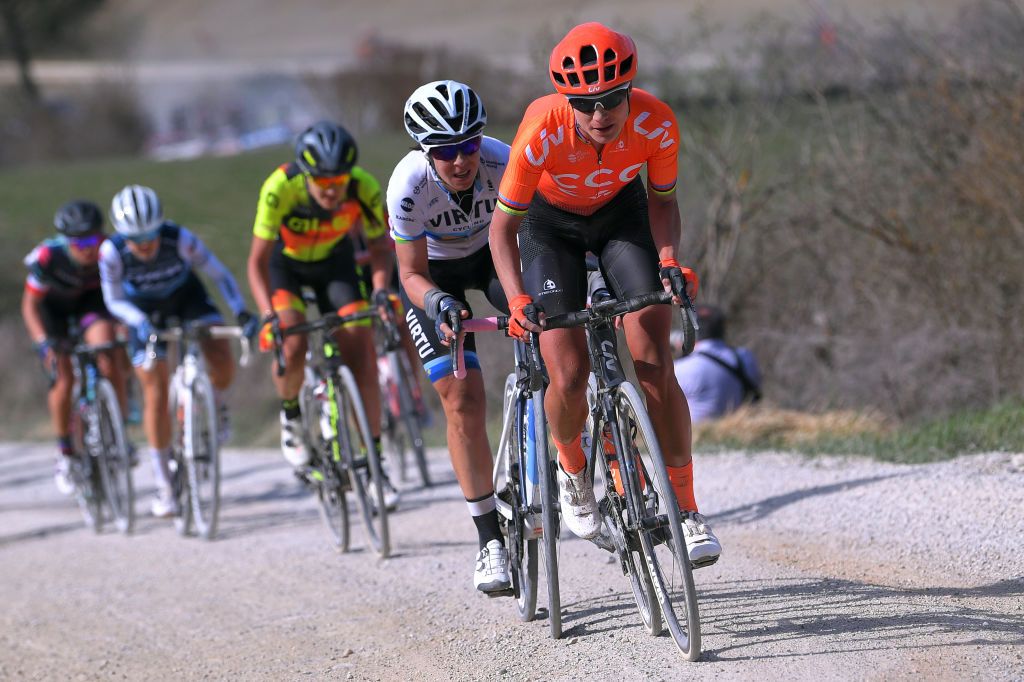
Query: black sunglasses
x,y
448,152
609,100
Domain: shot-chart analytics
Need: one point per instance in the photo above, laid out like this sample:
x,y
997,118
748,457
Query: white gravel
x,y
834,568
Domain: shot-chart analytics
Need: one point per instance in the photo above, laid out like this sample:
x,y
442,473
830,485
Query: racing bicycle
x,y
195,459
337,433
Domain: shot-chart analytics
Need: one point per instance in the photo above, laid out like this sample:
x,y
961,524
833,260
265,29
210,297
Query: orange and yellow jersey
x,y
551,156
310,232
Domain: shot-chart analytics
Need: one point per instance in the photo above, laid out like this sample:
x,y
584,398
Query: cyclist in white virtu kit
x,y
147,275
440,201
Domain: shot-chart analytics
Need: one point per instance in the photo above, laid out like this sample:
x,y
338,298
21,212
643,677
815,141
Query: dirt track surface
x,y
833,569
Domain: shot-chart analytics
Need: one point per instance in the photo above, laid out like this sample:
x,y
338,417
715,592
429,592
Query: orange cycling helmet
x,y
592,59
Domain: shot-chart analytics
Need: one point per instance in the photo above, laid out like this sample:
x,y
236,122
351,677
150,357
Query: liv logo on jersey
x,y
556,139
662,130
549,285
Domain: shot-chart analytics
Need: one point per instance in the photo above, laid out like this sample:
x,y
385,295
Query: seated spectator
x,y
716,378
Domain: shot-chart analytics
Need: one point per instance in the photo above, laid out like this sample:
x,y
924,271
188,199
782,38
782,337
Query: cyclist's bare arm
x,y
381,261
258,270
666,226
30,305
505,254
414,269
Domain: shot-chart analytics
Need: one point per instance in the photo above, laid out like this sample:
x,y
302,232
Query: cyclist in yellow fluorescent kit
x,y
307,208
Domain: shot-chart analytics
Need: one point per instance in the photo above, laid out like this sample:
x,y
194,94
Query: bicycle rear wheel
x,y
522,547
330,491
408,420
627,544
660,534
549,511
202,455
362,461
114,465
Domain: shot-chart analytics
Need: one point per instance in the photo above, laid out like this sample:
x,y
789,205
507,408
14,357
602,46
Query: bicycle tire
x,y
522,552
180,402
549,513
202,456
115,467
666,557
407,418
354,436
85,475
628,550
330,492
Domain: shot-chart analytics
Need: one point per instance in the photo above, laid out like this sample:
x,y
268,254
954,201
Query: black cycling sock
x,y
290,407
487,527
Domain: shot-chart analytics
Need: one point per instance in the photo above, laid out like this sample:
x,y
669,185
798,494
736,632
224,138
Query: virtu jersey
x,y
549,155
419,206
127,278
52,272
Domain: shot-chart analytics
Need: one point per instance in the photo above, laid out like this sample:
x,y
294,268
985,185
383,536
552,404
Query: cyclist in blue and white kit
x,y
440,201
146,271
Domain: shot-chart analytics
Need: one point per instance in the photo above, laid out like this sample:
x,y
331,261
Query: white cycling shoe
x,y
62,475
164,505
292,445
391,495
491,572
701,544
579,506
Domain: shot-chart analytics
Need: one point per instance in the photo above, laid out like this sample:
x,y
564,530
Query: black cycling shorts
x,y
335,280
59,312
191,302
455,277
553,244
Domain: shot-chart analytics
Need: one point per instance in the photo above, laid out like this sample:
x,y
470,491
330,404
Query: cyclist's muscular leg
x,y
111,363
220,364
647,338
358,352
59,397
294,357
464,407
156,421
565,403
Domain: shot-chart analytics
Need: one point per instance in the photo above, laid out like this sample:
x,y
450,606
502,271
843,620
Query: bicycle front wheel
x,y
85,473
326,474
362,461
549,511
114,465
202,455
515,499
660,529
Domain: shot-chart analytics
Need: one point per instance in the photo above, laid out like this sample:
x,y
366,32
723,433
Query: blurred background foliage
x,y
852,193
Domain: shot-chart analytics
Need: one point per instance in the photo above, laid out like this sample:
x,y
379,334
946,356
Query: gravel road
x,y
833,569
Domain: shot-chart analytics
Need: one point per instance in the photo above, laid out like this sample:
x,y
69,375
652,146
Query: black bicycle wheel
x,y
514,501
612,504
549,512
114,465
179,472
409,421
661,540
362,461
85,470
202,455
325,474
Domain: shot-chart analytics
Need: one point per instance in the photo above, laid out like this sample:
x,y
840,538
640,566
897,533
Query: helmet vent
x,y
574,80
626,65
588,55
558,77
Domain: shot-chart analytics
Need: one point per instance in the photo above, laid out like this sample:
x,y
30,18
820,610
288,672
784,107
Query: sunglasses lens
x,y
326,182
86,242
588,105
448,152
143,238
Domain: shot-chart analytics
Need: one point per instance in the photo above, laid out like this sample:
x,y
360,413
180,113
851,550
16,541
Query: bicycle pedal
x,y
501,593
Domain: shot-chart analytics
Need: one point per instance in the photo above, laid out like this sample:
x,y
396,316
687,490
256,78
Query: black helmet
x,y
77,218
324,149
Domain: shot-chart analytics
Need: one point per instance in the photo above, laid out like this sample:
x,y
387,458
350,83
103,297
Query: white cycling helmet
x,y
136,210
443,112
